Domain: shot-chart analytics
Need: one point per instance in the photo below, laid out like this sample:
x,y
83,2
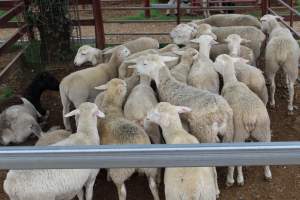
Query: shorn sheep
x,y
211,115
141,100
250,116
182,183
202,74
221,20
251,76
51,184
88,54
115,129
18,122
78,87
282,51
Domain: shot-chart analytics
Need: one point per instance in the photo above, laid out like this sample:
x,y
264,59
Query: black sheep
x,y
41,82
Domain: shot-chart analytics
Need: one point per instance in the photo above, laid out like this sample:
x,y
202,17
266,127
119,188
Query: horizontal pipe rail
x,y
11,13
145,33
123,156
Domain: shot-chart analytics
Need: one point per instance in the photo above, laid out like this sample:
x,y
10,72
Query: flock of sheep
x,y
188,101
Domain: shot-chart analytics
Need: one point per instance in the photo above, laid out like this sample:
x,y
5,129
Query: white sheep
x,y
52,136
245,52
202,74
182,34
211,113
251,76
182,4
181,71
182,183
115,129
141,100
250,116
18,122
221,20
95,56
282,51
50,184
78,87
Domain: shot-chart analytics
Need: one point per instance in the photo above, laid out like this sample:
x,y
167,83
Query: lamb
x,y
182,4
202,74
18,122
78,86
49,184
141,100
115,129
190,183
245,73
282,51
245,52
221,20
181,71
41,82
250,116
95,56
211,113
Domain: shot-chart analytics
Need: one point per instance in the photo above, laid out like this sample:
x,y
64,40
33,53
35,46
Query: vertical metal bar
x,y
178,12
30,32
291,13
147,11
99,28
264,7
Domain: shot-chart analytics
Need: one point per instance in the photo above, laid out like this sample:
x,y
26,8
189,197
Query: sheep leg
x,y
153,187
291,97
121,188
263,135
89,188
66,109
272,90
80,195
216,181
230,179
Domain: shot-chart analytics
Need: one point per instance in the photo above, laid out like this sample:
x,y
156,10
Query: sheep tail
x,y
28,104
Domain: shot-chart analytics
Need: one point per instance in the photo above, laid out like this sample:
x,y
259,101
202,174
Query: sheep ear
x,y
195,40
180,53
168,58
131,61
72,113
214,42
99,114
242,60
131,67
109,50
213,35
245,41
195,56
279,17
183,109
101,87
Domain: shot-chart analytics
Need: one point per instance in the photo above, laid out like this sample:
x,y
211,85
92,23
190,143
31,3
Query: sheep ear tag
x,y
72,113
183,109
99,114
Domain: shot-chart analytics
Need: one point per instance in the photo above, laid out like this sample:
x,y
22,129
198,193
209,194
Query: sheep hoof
x,y
290,112
240,183
296,107
268,179
229,184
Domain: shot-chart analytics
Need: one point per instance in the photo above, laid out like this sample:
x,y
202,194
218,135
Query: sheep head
x,y
150,64
87,109
268,21
88,54
234,44
164,113
183,33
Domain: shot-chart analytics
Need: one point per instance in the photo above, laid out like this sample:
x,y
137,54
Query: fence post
x,y
99,28
147,11
178,12
30,32
291,13
264,7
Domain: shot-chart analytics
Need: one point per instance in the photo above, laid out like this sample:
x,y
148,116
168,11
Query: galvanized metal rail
x,y
116,156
